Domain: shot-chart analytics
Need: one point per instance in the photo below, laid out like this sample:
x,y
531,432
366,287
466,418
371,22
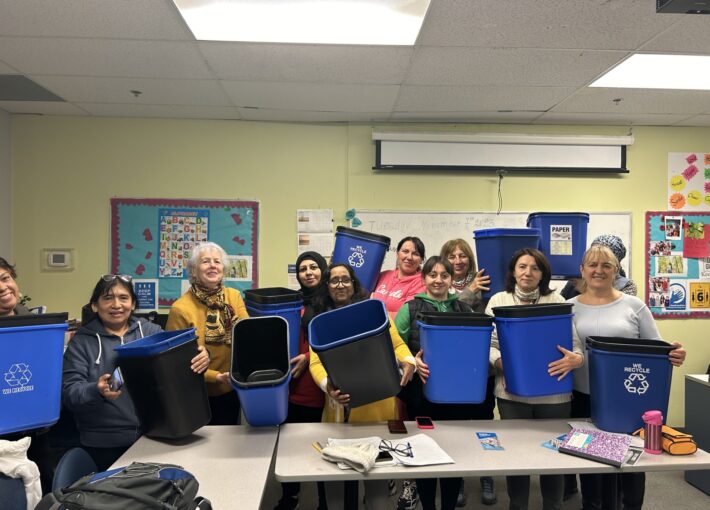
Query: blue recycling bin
x,y
170,399
456,347
278,301
563,240
31,370
496,246
355,346
363,251
627,377
261,371
528,337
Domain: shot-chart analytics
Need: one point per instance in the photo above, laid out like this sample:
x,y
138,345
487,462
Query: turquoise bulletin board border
x,y
150,238
677,284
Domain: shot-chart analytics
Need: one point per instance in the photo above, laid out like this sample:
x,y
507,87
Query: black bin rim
x,y
629,345
561,213
362,233
273,295
455,319
258,384
527,311
43,319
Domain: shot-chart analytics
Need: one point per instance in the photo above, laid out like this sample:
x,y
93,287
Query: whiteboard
x,y
435,228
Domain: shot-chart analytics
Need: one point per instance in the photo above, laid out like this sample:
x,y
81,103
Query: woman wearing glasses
x,y
212,309
104,413
342,289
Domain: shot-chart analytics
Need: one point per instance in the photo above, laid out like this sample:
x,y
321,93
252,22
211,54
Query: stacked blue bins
x,y
279,301
355,346
495,247
363,251
456,349
563,240
627,377
31,349
528,337
170,399
260,370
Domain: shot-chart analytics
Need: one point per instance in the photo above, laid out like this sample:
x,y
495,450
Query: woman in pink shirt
x,y
399,285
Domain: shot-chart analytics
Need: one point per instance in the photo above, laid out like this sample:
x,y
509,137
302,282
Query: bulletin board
x,y
151,240
678,264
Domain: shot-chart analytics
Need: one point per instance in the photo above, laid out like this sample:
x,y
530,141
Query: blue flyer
x,y
489,440
147,294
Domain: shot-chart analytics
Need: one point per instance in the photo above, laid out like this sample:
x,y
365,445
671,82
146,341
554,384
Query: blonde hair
x,y
598,253
450,246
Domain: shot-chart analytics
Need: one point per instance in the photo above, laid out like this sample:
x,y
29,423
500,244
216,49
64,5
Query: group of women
x,y
449,282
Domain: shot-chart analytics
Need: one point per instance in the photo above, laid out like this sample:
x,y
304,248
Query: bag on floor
x,y
140,485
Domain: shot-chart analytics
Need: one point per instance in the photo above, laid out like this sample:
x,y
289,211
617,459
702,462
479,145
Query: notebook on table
x,y
597,445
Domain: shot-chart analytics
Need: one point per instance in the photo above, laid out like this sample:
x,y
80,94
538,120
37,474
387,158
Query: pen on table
x,y
317,446
411,453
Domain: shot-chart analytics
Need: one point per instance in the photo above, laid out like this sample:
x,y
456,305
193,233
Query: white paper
x,y
425,452
320,243
314,220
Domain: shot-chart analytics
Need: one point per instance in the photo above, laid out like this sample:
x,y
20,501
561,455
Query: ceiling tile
x,y
697,120
611,119
41,108
265,114
593,24
475,117
690,34
496,66
608,100
312,96
161,111
134,19
6,69
308,63
103,57
479,99
153,91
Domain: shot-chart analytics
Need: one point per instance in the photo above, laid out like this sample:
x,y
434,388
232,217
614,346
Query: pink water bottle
x,y
652,423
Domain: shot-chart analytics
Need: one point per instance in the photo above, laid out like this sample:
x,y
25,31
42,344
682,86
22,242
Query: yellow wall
x,y
65,169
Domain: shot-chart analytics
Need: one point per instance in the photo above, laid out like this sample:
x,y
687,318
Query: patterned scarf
x,y
220,315
527,297
463,283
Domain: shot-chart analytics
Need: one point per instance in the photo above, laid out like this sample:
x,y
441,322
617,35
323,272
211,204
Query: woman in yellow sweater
x,y
212,309
343,288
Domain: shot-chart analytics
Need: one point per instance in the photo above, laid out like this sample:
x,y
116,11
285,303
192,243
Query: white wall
x,y
5,187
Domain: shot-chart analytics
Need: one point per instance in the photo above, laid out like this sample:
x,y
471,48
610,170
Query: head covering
x,y
315,257
615,244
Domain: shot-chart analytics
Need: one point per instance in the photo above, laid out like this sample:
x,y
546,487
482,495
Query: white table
x,y
297,460
231,462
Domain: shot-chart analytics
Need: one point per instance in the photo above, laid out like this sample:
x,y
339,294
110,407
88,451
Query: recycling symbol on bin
x,y
18,375
636,383
356,259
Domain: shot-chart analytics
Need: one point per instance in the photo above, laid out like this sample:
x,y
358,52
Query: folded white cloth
x,y
359,456
14,463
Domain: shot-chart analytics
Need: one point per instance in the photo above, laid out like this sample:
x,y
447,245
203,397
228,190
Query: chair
x,y
73,465
12,493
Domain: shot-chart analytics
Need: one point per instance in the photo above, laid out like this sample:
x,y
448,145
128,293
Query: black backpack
x,y
143,486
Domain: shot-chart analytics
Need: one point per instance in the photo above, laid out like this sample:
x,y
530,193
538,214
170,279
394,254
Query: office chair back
x,y
73,465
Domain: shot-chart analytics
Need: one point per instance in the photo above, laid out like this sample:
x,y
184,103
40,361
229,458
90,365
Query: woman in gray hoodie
x,y
104,413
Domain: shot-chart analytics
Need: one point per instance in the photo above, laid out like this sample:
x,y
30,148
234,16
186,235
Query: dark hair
x,y
322,302
103,287
542,264
4,264
433,261
418,245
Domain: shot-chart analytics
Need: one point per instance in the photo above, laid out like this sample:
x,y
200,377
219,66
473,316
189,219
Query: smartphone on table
x,y
424,422
383,456
396,427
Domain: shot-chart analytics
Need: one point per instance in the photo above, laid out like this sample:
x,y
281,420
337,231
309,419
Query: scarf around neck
x,y
529,297
462,283
220,315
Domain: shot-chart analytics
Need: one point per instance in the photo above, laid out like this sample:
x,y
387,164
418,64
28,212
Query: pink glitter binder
x,y
597,445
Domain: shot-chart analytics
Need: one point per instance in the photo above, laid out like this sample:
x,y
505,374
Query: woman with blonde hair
x,y
467,282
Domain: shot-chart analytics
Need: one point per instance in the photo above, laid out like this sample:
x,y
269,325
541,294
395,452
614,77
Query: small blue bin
x,y
156,343
363,251
494,249
31,376
456,347
528,337
282,302
260,371
627,377
563,240
355,346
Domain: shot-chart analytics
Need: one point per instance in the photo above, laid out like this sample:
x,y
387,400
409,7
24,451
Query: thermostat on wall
x,y
57,259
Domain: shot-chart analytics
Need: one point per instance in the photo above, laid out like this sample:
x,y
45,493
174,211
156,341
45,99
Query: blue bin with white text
x,y
363,251
627,377
563,240
279,301
261,371
30,375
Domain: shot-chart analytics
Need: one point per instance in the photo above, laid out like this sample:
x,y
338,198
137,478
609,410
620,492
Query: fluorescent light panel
x,y
650,71
374,22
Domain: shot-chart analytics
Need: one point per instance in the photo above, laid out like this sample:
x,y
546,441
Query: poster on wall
x,y
689,181
151,240
678,264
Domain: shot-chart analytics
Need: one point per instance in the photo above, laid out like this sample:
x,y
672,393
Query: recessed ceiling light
x,y
376,22
648,71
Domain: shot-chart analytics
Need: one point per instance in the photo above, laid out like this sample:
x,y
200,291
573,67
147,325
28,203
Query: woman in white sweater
x,y
527,283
